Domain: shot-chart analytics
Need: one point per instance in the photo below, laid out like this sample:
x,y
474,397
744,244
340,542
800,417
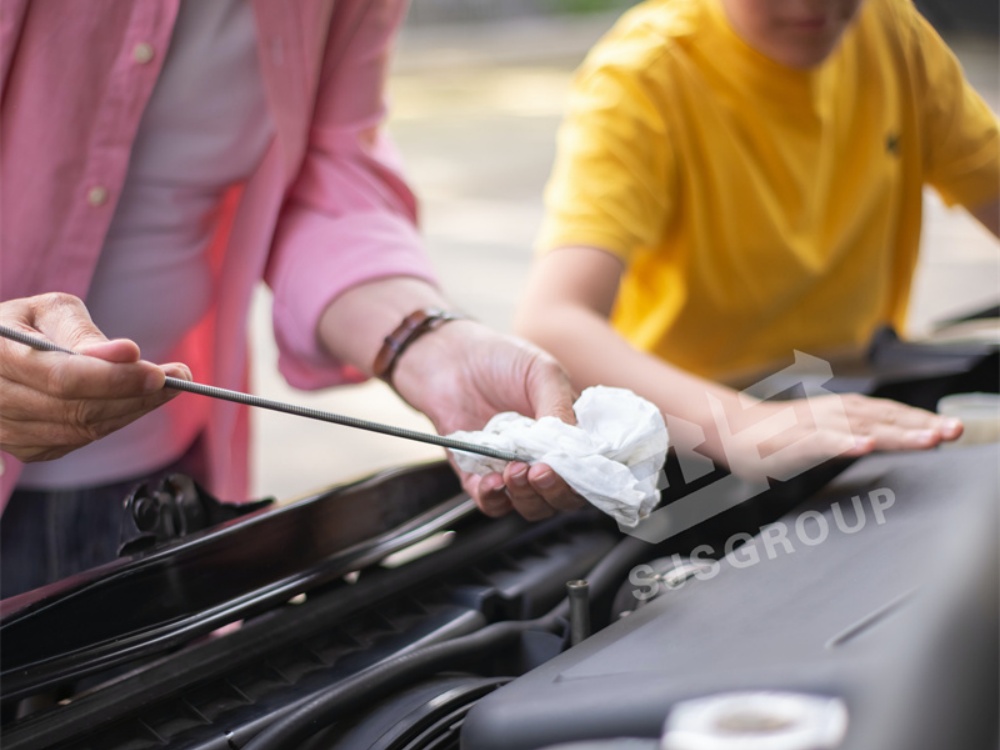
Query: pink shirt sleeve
x,y
350,217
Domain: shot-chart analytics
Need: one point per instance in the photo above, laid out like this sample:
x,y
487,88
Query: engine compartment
x,y
388,613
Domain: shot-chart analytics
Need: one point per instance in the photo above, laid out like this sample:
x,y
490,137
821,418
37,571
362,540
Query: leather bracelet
x,y
414,325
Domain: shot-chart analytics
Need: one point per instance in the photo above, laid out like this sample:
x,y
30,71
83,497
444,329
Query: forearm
x,y
566,309
753,438
594,353
354,325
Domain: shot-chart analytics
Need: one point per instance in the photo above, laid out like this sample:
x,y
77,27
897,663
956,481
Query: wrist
x,y
353,326
433,366
411,329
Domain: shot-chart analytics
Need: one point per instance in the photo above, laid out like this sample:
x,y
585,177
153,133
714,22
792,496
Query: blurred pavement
x,y
474,112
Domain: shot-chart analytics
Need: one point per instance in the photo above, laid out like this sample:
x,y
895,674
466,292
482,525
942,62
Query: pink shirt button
x,y
142,53
97,195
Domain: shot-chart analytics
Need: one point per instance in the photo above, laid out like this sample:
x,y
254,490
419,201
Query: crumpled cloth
x,y
612,456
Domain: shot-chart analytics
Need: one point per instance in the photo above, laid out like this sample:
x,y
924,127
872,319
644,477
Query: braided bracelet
x,y
414,325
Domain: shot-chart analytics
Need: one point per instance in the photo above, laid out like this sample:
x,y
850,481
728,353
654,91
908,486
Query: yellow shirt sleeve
x,y
611,186
962,137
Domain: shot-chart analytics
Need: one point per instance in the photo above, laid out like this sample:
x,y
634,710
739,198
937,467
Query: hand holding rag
x,y
612,456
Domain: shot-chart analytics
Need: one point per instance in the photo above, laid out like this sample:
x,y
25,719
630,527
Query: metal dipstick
x,y
301,411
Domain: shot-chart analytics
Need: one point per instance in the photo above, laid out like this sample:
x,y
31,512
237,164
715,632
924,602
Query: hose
x,y
457,654
357,691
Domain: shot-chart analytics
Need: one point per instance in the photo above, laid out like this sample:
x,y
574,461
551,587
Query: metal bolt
x,y
146,513
579,611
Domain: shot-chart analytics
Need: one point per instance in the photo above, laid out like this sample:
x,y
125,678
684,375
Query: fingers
x,y
37,426
110,369
43,441
894,426
64,320
785,438
523,496
52,402
490,494
535,492
845,425
951,428
87,377
24,404
65,376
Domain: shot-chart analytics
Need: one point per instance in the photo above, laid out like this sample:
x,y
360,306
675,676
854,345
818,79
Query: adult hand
x,y
52,403
461,375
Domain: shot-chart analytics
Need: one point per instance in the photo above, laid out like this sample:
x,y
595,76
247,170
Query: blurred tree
x,y
587,6
446,11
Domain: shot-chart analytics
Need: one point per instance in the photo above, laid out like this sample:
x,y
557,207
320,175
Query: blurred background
x,y
477,92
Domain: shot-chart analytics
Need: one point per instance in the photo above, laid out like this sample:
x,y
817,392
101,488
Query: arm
x,y
459,375
350,218
348,265
565,310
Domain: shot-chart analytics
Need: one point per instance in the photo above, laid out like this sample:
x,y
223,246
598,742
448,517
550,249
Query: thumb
x,y
65,320
121,351
550,391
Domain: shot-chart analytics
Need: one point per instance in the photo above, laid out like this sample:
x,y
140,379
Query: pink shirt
x,y
326,208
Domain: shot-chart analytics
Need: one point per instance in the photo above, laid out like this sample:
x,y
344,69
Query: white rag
x,y
612,456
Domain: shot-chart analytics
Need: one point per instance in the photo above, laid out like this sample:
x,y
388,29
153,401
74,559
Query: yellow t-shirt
x,y
761,209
